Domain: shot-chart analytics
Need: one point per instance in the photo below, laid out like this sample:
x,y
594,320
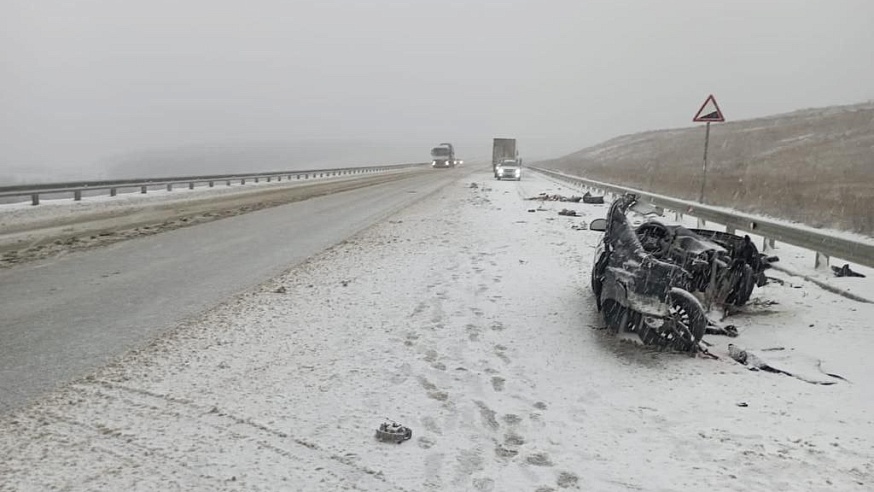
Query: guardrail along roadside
x,y
76,188
824,243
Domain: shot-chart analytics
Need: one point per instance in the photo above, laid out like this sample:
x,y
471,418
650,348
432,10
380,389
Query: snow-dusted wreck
x,y
651,279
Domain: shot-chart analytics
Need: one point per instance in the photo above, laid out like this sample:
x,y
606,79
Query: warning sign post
x,y
709,112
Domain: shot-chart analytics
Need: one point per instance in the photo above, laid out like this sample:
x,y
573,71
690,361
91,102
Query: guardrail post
x,y
34,199
768,244
211,184
113,192
256,179
820,261
729,229
191,185
701,223
143,189
169,186
243,181
268,179
77,195
229,182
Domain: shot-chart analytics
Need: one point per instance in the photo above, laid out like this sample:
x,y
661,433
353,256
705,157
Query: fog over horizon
x,y
86,85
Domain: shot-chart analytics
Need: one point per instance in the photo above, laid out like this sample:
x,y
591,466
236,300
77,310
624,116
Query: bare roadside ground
x,y
37,234
811,166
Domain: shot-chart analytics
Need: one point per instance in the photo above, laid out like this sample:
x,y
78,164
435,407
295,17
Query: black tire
x,y
615,315
597,279
683,329
686,312
597,287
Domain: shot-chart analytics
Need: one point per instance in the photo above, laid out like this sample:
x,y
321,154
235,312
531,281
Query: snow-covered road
x,y
468,318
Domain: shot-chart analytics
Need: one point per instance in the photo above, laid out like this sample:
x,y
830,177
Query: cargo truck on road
x,y
505,159
443,155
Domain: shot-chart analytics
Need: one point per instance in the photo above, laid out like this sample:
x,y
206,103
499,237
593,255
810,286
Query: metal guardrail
x,y
823,243
77,187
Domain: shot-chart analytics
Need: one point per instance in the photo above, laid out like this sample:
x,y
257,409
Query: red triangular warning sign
x,y
709,111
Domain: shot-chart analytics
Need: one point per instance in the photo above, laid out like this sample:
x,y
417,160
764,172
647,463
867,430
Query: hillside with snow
x,y
814,166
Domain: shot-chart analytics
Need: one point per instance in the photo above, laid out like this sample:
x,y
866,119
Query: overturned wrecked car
x,y
646,279
724,267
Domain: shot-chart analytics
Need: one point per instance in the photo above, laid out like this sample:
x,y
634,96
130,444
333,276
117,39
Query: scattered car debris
x,y
845,271
776,280
580,227
568,212
555,198
592,199
755,363
766,302
473,185
742,404
391,431
281,290
532,210
714,328
587,198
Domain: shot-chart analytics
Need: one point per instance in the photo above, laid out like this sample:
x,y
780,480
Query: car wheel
x,y
687,320
682,329
615,315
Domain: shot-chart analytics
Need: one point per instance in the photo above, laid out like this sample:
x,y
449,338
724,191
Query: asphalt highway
x,y
63,317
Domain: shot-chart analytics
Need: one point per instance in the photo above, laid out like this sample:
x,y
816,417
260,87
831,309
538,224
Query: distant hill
x,y
814,166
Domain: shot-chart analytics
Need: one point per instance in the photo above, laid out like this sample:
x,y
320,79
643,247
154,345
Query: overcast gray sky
x,y
80,80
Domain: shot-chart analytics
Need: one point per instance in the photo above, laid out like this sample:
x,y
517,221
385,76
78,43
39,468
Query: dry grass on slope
x,y
813,166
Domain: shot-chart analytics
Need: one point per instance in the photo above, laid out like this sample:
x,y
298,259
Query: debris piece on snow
x,y
580,227
755,363
473,185
568,212
592,199
555,198
392,431
742,404
714,328
280,290
845,271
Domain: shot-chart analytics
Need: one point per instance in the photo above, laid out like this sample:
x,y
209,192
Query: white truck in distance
x,y
443,155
